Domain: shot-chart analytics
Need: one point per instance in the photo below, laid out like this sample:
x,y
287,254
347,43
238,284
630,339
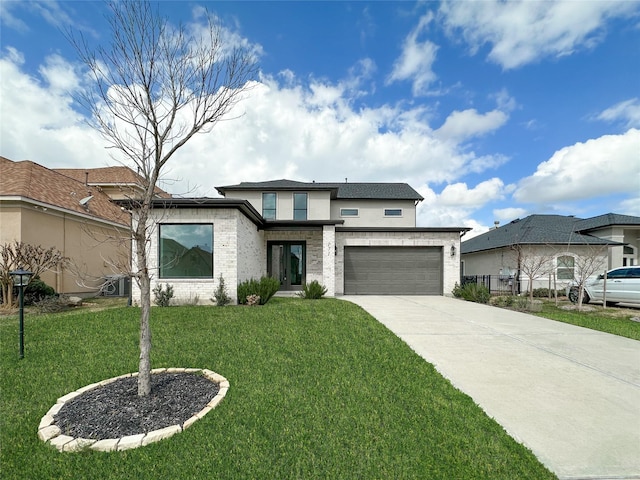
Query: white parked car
x,y
622,286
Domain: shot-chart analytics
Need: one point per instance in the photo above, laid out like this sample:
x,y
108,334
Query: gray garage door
x,y
393,270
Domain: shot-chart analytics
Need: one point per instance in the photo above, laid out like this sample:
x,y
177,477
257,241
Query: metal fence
x,y
497,284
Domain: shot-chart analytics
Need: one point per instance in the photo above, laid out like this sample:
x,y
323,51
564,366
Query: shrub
x,y
313,290
36,291
503,301
163,297
264,288
52,304
472,292
220,295
545,293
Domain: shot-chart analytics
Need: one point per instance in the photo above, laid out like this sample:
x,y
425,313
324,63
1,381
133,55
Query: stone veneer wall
x,y
450,266
238,253
313,240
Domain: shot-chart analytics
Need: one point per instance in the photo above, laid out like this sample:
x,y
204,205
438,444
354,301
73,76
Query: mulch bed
x,y
115,410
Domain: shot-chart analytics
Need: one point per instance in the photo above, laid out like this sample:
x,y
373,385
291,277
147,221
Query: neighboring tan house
x,y
353,238
43,207
612,240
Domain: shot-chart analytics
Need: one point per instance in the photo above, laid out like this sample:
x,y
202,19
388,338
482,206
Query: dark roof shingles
x,y
343,190
533,230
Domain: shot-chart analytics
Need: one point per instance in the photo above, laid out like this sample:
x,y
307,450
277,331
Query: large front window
x,y
269,206
299,206
186,250
566,265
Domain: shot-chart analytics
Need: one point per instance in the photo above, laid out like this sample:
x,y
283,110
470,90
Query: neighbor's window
x,y
392,212
299,206
348,212
269,206
565,269
186,250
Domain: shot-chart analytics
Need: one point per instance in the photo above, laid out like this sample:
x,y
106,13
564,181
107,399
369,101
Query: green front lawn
x,y
596,317
319,389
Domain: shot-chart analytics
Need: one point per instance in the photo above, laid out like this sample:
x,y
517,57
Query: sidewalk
x,y
570,394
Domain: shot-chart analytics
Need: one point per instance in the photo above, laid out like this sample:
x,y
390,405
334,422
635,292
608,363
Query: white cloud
x,y
522,31
282,130
510,213
455,204
43,125
459,194
416,60
627,111
602,166
469,123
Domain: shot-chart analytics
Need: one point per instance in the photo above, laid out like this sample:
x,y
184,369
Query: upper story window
x,y
392,212
269,206
566,266
349,212
186,250
299,206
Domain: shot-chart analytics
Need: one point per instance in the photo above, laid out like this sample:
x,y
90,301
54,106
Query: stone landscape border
x,y
50,433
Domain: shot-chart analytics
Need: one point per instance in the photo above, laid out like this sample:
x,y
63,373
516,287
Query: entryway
x,y
286,262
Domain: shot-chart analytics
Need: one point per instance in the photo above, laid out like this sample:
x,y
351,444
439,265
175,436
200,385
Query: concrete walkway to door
x,y
570,394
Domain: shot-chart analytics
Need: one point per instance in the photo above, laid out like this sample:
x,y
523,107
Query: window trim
x,y
356,214
275,205
161,274
392,215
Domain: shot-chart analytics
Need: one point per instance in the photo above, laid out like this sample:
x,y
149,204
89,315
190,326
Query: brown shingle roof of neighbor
x,y
104,176
29,180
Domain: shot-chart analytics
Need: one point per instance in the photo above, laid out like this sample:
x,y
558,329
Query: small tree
x,y
33,258
155,86
533,262
588,263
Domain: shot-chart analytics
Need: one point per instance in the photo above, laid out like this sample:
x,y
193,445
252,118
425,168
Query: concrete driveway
x,y
570,394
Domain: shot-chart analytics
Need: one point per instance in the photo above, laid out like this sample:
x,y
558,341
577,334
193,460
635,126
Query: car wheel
x,y
573,295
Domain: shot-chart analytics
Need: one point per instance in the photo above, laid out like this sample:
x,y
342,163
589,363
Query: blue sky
x,y
491,110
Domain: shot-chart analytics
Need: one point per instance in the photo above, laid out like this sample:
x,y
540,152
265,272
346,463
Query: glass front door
x,y
286,262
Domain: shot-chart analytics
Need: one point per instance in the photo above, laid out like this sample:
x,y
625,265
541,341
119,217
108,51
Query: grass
x,y
319,389
610,320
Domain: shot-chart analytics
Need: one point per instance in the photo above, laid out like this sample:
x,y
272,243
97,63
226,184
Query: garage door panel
x,y
393,270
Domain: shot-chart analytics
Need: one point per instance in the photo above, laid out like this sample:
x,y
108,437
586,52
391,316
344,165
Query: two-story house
x,y
354,238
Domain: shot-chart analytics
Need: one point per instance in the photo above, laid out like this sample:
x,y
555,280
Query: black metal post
x,y
21,320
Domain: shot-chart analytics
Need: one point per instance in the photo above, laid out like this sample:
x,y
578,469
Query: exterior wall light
x,y
453,250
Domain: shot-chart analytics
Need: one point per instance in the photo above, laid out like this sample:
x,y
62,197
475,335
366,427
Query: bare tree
x,y
33,258
588,263
154,87
533,262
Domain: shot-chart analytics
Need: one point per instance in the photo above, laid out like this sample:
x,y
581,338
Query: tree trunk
x,y
144,280
144,368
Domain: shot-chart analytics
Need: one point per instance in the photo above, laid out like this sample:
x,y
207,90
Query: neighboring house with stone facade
x,y
353,238
612,240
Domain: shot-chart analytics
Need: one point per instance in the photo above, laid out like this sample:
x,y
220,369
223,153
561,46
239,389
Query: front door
x,y
286,262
